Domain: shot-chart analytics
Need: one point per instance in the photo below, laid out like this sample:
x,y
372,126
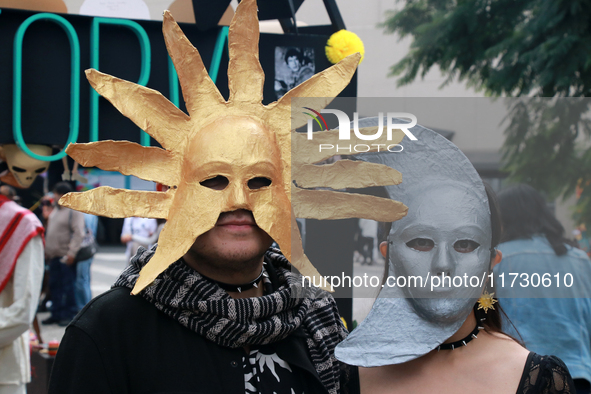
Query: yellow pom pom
x,y
342,44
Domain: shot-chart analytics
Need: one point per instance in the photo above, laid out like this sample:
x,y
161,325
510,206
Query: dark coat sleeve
x,y
79,366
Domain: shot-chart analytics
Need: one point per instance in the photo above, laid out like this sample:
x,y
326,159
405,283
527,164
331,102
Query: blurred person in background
x,y
82,292
139,237
8,191
21,273
46,207
142,228
558,320
152,239
65,231
47,204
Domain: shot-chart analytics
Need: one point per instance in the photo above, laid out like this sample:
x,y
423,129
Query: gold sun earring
x,y
486,301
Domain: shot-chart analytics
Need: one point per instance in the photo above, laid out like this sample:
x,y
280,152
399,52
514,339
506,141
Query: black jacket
x,y
121,343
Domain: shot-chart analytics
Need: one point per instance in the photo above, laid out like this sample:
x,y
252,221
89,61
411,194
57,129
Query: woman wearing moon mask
x,y
425,332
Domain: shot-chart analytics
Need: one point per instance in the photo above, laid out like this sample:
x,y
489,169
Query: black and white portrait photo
x,y
293,65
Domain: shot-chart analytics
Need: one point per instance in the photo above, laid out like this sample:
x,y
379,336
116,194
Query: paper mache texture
x,y
239,139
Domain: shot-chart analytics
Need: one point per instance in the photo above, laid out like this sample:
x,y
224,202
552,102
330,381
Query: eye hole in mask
x,y
421,244
216,183
39,170
258,183
18,169
425,245
466,246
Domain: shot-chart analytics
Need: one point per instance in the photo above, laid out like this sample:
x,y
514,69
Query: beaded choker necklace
x,y
238,288
243,287
463,341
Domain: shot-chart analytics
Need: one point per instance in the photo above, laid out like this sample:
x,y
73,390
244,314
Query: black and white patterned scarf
x,y
202,306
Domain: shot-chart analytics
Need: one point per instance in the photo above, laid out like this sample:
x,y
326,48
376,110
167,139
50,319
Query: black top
x,y
122,344
545,375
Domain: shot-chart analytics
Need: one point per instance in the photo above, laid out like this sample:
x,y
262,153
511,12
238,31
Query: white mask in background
x,y
447,230
23,168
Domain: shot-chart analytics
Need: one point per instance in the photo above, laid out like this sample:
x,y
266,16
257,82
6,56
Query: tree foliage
x,y
536,48
541,143
506,47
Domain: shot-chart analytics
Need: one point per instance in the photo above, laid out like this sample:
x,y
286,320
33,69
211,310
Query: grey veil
x,y
396,330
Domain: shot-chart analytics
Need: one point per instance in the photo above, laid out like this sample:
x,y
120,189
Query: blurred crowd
x,y
70,245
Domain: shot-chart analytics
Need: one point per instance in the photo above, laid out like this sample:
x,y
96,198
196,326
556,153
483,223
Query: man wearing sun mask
x,y
216,309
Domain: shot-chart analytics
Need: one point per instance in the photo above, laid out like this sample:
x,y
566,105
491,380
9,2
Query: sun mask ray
x,y
245,74
299,260
128,158
346,174
147,108
326,204
120,203
272,218
199,91
176,237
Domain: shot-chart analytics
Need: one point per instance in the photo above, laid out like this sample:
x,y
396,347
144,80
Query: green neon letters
x,y
173,83
74,84
217,53
94,63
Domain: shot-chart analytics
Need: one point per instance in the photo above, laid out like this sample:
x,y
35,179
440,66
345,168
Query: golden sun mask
x,y
241,140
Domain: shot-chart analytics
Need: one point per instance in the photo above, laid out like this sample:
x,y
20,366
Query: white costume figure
x,y
21,273
141,227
